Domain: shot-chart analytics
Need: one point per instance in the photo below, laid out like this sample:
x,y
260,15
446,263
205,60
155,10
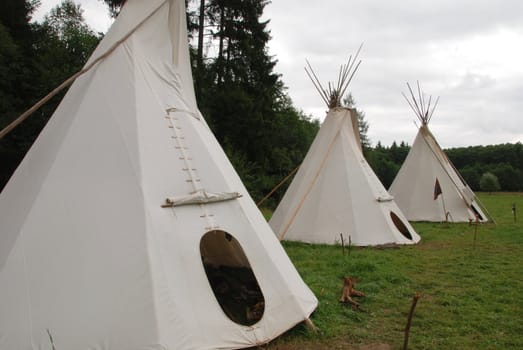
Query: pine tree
x,y
363,125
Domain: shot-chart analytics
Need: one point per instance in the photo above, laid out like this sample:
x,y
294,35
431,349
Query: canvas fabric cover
x,y
86,250
335,192
413,187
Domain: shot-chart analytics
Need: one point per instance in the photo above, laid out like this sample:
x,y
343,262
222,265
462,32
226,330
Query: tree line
x,y
34,59
243,99
504,161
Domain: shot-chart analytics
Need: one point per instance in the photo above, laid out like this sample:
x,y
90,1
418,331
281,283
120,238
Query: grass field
x,y
471,294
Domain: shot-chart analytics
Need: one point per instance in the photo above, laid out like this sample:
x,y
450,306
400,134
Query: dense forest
x,y
505,161
243,99
34,59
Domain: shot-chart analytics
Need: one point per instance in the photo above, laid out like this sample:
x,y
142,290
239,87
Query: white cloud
x,y
468,52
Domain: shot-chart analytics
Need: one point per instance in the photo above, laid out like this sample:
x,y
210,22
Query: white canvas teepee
x,y
335,193
126,228
428,187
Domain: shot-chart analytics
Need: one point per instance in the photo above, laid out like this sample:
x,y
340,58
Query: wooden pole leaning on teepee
x,y
277,186
445,212
71,79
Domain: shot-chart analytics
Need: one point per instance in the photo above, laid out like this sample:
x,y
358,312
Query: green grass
x,y
471,294
267,213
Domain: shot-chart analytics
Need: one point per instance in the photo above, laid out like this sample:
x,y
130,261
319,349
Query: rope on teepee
x,y
71,79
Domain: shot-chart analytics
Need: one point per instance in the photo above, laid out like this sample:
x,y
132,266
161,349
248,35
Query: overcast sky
x,y
467,52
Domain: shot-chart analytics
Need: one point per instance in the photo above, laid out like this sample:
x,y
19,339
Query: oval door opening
x,y
400,226
231,278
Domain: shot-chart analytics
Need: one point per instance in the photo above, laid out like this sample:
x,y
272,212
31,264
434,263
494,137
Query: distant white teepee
x,y
126,227
335,193
428,187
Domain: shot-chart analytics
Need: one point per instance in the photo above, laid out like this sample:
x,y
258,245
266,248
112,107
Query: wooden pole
x,y
51,340
444,208
311,325
409,320
342,245
514,212
277,186
69,81
475,231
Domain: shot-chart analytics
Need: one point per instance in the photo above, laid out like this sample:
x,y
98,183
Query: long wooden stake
x,y
71,79
277,186
409,320
444,208
342,245
311,325
475,231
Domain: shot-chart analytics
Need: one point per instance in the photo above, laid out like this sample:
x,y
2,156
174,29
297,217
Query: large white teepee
x,y
335,193
428,187
126,204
